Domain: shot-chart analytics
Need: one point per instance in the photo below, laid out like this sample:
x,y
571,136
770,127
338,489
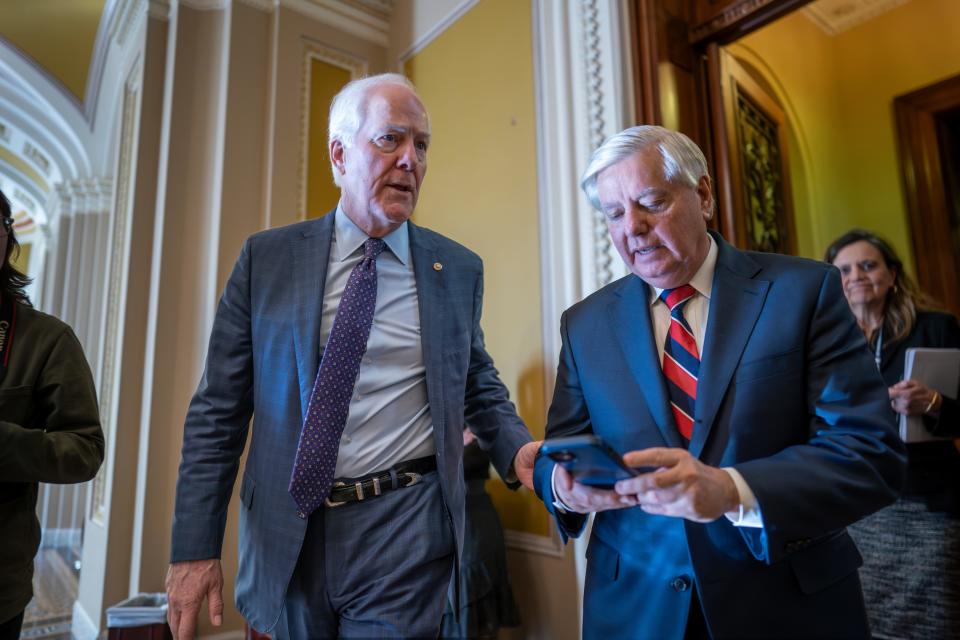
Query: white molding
x,y
205,5
153,301
622,31
101,49
40,107
30,191
115,276
578,67
593,54
269,133
314,50
37,68
421,43
126,18
81,626
37,157
19,199
533,543
561,154
161,10
53,538
344,17
268,6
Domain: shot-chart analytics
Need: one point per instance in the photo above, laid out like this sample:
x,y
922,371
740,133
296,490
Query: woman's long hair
x,y
904,299
13,283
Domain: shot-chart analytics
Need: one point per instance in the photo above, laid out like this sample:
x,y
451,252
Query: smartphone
x,y
590,460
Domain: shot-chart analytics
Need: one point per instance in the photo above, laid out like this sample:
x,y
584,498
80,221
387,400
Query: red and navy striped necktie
x,y
681,359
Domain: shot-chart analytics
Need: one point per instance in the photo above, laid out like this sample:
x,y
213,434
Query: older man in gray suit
x,y
355,342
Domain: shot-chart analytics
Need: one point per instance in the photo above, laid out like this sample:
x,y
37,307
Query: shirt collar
x,y
350,237
702,280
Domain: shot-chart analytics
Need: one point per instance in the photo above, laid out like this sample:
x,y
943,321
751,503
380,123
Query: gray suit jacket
x,y
262,360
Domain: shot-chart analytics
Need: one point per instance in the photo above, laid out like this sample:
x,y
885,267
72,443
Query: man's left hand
x,y
524,461
682,486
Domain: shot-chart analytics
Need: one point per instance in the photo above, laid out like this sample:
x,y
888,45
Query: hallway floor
x,y
54,590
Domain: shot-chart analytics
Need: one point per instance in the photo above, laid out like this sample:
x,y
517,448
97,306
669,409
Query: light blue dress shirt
x,y
389,419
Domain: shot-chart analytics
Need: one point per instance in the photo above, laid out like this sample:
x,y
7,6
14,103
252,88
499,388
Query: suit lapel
x,y
431,285
311,252
735,305
630,320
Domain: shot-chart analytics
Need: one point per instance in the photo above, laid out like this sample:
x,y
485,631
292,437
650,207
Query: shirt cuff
x,y
558,504
748,515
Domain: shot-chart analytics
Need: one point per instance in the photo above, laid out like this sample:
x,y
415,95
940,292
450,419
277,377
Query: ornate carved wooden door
x,y
750,142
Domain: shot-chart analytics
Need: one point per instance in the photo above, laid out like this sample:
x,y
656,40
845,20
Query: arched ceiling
x,y
59,35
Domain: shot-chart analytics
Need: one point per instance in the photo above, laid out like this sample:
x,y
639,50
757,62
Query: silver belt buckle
x,y
414,478
331,503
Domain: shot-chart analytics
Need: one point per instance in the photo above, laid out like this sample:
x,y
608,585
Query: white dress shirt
x,y
696,312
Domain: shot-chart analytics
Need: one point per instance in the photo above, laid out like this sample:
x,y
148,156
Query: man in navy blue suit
x,y
354,341
743,378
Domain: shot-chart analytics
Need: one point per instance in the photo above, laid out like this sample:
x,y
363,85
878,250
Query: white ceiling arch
x,y
47,137
44,137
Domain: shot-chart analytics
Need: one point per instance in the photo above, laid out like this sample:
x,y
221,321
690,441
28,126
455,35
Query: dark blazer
x,y
263,358
933,468
49,432
789,396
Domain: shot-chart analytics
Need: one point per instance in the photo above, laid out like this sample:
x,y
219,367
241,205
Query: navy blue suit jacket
x,y
262,360
788,395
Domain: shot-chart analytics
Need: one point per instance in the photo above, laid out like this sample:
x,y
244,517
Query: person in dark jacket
x,y
49,424
911,549
486,597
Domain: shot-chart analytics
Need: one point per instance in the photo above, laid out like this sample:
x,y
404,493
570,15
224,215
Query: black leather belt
x,y
405,474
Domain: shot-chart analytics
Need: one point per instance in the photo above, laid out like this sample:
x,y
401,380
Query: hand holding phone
x,y
590,460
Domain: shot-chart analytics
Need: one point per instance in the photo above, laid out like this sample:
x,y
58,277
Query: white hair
x,y
349,108
682,159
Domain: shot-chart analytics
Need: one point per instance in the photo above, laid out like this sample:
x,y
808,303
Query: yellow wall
x,y
58,34
906,49
325,81
839,94
21,260
481,190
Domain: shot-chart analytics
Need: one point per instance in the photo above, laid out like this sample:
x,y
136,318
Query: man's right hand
x,y
583,499
188,583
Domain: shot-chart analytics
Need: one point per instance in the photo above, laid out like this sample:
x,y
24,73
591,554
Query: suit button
x,y
681,583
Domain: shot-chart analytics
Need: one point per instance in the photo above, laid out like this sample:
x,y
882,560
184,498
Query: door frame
x,y
683,38
921,171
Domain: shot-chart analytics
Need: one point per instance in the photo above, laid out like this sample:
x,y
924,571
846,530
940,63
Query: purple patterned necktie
x,y
316,460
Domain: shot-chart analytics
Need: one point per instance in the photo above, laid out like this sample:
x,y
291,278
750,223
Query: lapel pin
x,y
437,266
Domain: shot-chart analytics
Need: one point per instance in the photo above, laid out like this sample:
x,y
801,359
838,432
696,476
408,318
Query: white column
x,y
105,555
184,287
584,95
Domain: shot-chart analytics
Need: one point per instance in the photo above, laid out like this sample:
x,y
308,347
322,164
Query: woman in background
x,y
49,424
911,549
